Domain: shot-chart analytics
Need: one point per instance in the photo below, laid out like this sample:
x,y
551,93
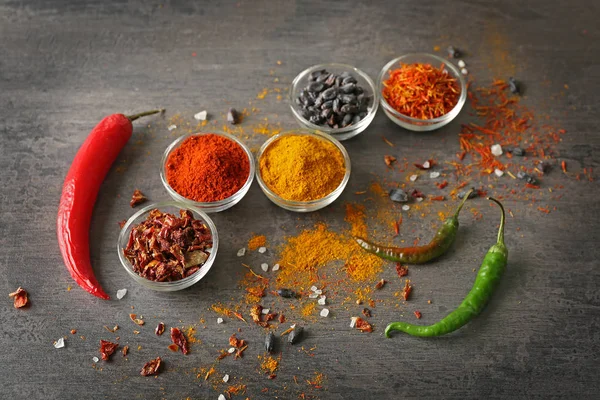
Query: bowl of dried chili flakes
x,y
168,246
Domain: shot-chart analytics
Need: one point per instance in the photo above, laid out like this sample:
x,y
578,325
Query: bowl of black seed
x,y
336,99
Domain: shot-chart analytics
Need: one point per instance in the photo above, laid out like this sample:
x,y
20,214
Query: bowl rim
x,y
181,283
302,204
333,131
213,204
417,121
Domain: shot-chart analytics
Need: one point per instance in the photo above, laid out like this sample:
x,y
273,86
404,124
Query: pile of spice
x,y
302,167
333,100
421,90
207,168
167,248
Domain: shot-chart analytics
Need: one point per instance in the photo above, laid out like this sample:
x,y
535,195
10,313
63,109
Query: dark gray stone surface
x,y
66,64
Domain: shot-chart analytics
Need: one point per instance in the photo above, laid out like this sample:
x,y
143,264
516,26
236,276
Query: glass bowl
x,y
303,206
416,124
173,208
214,206
363,80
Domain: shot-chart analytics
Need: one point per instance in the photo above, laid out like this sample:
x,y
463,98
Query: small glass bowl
x,y
303,206
173,208
301,81
416,124
215,206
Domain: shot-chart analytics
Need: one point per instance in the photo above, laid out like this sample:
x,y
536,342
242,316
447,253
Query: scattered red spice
x,y
437,198
160,329
107,349
125,350
421,90
207,168
122,223
380,284
20,298
151,367
531,186
563,165
73,331
281,318
366,312
442,185
363,326
137,198
406,290
389,160
418,314
544,210
401,270
136,320
179,339
173,347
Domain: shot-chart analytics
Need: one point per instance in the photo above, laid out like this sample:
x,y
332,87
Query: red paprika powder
x,y
207,168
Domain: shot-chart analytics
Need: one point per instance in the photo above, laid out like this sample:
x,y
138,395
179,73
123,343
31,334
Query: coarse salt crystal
x,y
121,293
318,291
322,300
60,343
264,267
226,378
171,127
406,207
313,296
498,172
95,359
464,71
324,312
201,116
426,165
461,64
231,350
413,178
434,175
496,149
265,311
262,249
313,288
353,322
241,252
221,397
275,267
219,320
419,199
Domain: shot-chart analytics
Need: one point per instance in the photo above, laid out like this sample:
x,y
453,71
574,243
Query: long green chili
x,y
487,279
440,243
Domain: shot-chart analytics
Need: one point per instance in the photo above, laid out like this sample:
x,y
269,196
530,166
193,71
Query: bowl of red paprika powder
x,y
210,171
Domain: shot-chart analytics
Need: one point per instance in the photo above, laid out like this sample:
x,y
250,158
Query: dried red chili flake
x,y
179,339
160,329
389,160
437,198
442,185
173,347
406,290
137,198
416,193
122,223
222,355
125,350
256,291
530,186
281,318
240,352
255,313
20,297
234,341
151,367
239,316
73,331
270,316
107,349
418,314
168,248
563,165
426,165
363,325
112,330
380,284
136,320
401,270
366,312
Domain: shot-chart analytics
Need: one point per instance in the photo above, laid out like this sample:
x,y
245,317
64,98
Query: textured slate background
x,y
66,64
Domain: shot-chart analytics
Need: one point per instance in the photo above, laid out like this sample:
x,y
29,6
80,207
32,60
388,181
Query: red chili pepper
x,y
82,183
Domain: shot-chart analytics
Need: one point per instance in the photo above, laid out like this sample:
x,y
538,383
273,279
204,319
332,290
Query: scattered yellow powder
x,y
308,309
263,93
304,255
268,364
257,241
220,309
190,334
355,216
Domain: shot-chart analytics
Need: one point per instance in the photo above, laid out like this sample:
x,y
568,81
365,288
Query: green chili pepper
x,y
441,242
488,277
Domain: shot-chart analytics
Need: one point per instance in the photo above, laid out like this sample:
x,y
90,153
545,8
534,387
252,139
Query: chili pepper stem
x,y
462,203
143,114
501,229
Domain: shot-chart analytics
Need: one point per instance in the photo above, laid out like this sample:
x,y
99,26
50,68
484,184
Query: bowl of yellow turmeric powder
x,y
302,170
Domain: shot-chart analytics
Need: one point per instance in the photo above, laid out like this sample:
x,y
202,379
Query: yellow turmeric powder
x,y
257,241
302,167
